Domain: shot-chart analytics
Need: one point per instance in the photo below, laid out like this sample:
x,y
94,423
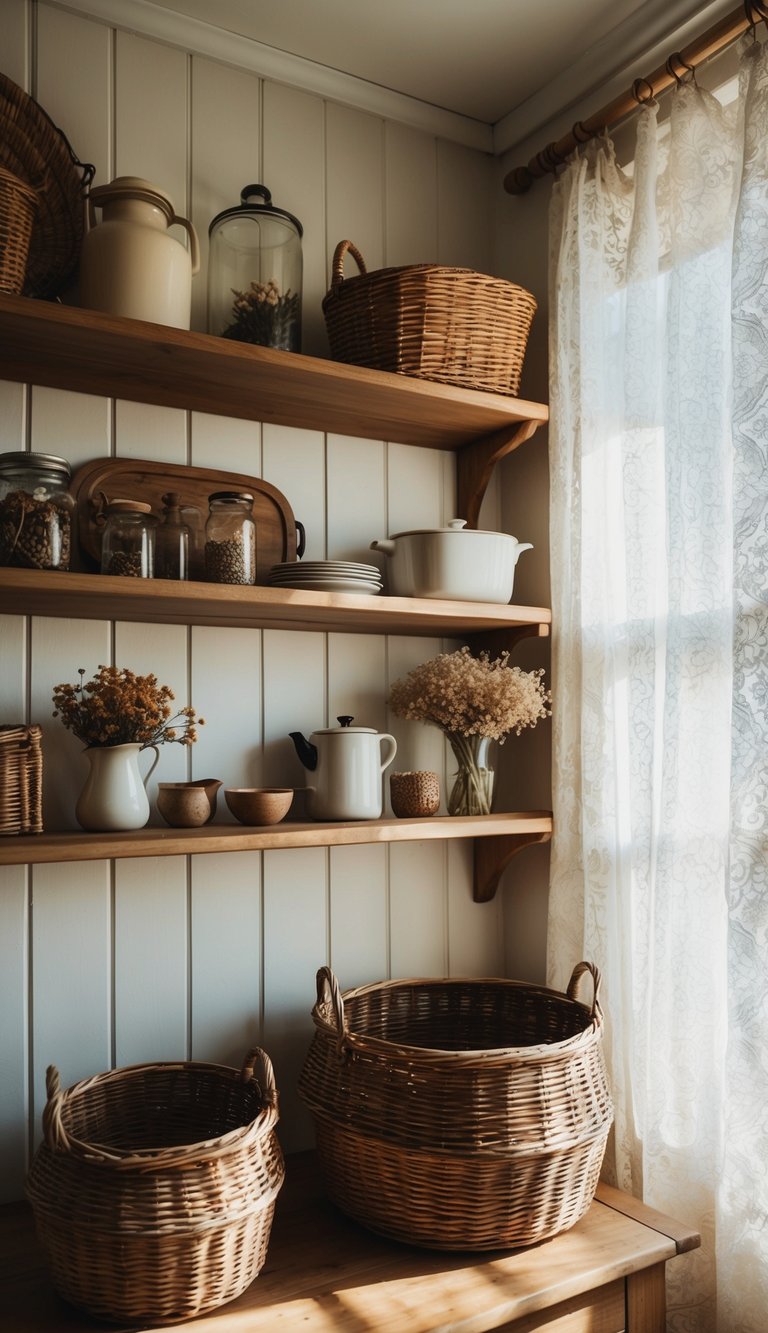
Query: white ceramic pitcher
x,y
130,264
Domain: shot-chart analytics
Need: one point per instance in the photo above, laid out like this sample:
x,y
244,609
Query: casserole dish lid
x,y
454,525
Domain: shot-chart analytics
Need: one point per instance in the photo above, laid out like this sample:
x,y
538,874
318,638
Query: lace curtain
x,y
659,521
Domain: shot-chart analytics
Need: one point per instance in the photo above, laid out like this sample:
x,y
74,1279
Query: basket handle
x,y
337,268
329,995
54,1132
264,1075
573,985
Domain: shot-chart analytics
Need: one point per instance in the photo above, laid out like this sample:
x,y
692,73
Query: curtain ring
x,y
580,133
549,158
637,86
680,80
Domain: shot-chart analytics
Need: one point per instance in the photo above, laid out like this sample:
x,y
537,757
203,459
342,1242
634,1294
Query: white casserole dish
x,y
454,563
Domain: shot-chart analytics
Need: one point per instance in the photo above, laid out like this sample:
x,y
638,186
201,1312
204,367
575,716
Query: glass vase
x,y
472,791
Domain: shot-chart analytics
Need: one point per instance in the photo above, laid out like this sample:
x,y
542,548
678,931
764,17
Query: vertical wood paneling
x,y
296,942
294,700
415,488
417,898
357,679
293,171
151,960
354,185
71,1011
59,649
226,153
419,745
160,650
14,1051
226,691
226,956
475,930
143,431
225,443
359,915
357,498
151,115
65,43
411,197
75,426
13,414
16,41
13,670
465,183
294,462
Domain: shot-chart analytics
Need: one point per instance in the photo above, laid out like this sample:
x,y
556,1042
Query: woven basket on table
x,y
21,780
459,1114
451,325
154,1188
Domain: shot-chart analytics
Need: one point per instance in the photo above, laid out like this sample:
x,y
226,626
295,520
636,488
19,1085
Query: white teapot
x,y
346,764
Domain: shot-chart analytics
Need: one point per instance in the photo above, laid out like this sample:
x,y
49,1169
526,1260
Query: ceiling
x,y
493,61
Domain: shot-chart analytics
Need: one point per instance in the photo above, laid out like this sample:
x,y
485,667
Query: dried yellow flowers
x,y
473,696
117,707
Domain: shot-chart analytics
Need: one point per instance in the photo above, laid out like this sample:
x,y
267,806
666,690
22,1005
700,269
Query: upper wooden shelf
x,y
105,597
64,347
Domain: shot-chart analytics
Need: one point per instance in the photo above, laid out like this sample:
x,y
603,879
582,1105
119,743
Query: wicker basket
x,y
459,1114
18,205
155,1186
445,324
21,780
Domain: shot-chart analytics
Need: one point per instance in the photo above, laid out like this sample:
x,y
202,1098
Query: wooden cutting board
x,y
106,479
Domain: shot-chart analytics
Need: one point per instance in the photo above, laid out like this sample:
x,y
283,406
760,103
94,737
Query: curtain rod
x,y
716,39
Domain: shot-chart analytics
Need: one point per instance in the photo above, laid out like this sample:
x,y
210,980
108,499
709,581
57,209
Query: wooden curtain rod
x,y
713,41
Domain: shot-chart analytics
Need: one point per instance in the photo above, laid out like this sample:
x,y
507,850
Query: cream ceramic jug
x,y
345,764
130,264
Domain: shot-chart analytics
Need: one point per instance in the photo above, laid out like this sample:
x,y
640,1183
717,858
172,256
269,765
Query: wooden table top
x,y
324,1273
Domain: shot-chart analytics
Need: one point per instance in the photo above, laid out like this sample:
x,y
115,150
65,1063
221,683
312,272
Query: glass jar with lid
x,y
230,538
173,541
36,511
255,273
128,542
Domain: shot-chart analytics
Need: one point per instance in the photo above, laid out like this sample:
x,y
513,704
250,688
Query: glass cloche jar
x,y
255,273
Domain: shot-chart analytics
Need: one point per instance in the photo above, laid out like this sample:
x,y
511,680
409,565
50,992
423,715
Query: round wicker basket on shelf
x,y
155,1186
459,1113
450,325
18,205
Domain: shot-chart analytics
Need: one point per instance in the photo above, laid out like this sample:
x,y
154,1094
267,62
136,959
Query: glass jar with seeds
x,y
36,511
128,543
230,538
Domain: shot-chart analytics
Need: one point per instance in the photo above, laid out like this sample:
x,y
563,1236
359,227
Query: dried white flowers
x,y
473,696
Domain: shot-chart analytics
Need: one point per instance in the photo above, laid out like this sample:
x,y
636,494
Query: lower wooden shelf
x,y
325,1273
513,831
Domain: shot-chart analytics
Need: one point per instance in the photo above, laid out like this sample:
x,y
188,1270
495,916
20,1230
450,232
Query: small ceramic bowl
x,y
188,804
259,805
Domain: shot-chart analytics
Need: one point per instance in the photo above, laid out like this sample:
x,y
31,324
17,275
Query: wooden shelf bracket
x,y
493,855
475,463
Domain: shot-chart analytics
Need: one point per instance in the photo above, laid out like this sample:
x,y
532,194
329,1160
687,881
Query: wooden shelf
x,y
68,348
44,848
105,597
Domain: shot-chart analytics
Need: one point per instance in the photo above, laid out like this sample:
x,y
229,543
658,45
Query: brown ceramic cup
x,y
414,795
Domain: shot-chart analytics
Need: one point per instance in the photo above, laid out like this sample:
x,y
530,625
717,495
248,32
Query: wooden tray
x,y
140,479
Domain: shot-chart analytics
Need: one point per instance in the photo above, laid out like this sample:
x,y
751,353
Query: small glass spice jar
x,y
230,538
36,511
173,541
128,543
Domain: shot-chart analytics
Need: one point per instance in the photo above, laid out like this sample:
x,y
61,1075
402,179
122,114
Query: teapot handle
x,y
194,248
391,749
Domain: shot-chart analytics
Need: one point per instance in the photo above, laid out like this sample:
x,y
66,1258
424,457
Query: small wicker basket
x,y
155,1186
450,325
18,205
459,1114
21,780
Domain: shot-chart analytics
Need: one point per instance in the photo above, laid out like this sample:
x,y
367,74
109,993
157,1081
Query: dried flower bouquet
x,y
473,700
117,707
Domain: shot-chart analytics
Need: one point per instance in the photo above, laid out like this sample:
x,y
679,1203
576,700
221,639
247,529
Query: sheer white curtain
x,y
659,517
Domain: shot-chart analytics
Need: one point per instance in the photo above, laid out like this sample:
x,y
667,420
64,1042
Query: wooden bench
x,y
324,1274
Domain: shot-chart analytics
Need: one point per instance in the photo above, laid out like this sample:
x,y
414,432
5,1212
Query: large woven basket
x,y
459,1114
18,205
155,1186
451,325
21,780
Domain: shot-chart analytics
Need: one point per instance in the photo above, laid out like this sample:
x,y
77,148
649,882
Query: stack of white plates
x,y
327,576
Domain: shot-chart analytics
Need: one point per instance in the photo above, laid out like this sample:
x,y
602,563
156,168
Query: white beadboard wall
x,y
201,957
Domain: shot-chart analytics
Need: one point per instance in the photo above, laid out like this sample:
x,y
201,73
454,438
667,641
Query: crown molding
x,y
148,19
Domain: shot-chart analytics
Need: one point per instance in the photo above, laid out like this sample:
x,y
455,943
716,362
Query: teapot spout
x,y
305,750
